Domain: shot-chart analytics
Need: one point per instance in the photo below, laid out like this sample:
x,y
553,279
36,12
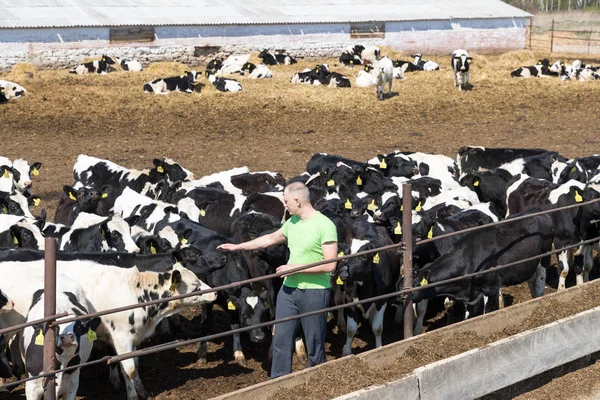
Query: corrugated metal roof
x,y
94,13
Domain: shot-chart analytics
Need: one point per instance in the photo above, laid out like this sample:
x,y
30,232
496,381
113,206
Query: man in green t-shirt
x,y
311,237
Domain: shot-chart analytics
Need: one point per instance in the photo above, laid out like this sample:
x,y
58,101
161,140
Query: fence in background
x,y
550,38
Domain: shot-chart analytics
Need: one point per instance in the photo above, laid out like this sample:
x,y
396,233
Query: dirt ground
x,y
273,125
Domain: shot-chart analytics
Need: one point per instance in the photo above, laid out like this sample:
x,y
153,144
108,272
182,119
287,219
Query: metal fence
x,y
406,269
554,40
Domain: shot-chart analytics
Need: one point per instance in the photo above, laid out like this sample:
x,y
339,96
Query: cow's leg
x,y
537,283
206,323
238,352
377,324
133,384
563,269
390,87
351,328
34,389
69,385
341,321
420,309
299,348
588,263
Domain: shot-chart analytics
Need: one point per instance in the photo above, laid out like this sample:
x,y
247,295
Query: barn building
x,y
59,33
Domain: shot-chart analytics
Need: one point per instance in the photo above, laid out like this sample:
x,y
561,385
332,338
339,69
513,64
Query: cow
x,y
257,71
477,158
223,84
17,204
425,65
20,232
279,57
350,59
311,76
365,78
484,249
384,73
182,83
94,233
335,79
371,54
74,201
96,66
11,90
460,62
22,172
130,65
109,287
74,340
540,70
231,65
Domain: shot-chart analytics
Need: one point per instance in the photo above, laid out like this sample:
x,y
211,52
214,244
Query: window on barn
x,y
369,30
132,34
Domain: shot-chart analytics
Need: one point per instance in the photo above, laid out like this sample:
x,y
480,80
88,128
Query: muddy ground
x,y
273,125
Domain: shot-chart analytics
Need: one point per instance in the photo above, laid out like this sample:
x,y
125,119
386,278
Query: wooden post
x,y
407,256
49,310
552,37
530,31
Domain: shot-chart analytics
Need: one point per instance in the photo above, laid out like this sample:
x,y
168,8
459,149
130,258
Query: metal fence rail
x,y
562,43
407,222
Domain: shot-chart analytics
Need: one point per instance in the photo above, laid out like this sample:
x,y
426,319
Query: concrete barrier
x,y
484,325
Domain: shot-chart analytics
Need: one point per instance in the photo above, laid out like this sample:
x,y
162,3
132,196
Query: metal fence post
x,y
552,37
407,256
49,310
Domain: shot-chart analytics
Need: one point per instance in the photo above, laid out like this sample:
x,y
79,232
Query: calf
x,y
17,204
74,201
110,287
224,84
151,215
460,65
365,78
279,57
425,65
257,71
541,69
476,158
335,79
74,340
311,76
131,65
350,59
22,172
11,90
384,73
20,232
183,83
97,66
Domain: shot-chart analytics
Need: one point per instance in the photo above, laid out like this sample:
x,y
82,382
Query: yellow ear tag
x,y
160,169
104,195
35,172
476,183
578,197
152,249
418,207
36,202
4,209
266,304
72,197
382,164
15,240
39,339
376,259
424,282
6,175
339,281
331,182
183,241
348,205
230,306
341,254
91,335
173,287
430,233
359,181
574,169
202,213
372,206
351,61
402,208
398,229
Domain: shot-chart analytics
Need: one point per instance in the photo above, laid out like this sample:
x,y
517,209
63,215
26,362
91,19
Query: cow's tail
x,y
148,88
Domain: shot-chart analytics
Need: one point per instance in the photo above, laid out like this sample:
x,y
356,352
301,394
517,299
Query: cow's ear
x,y
470,58
15,232
176,278
186,234
34,201
3,205
132,220
5,171
105,191
159,164
183,215
70,192
191,254
34,169
93,324
79,329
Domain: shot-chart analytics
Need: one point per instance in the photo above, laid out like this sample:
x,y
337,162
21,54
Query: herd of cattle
x,y
128,236
574,71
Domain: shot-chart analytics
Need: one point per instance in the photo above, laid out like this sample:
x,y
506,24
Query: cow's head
x,y
27,235
87,197
359,268
153,244
171,170
192,76
72,336
462,62
22,173
116,235
17,204
252,308
107,59
184,281
358,49
248,67
263,53
12,90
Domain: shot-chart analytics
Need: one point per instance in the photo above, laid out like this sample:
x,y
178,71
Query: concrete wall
x,y
62,47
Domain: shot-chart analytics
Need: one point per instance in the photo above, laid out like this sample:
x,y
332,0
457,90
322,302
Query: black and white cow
x,y
182,83
335,79
11,90
110,287
350,58
17,204
73,201
257,71
223,84
460,66
20,232
130,65
16,175
277,58
97,66
365,78
477,158
6,305
541,69
425,65
74,340
311,76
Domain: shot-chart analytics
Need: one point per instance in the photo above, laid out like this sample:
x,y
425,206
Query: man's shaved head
x,y
298,190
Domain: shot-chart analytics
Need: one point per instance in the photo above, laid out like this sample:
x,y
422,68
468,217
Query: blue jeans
x,y
293,301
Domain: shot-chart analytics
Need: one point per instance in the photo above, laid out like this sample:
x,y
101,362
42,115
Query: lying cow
x,y
277,58
132,65
365,78
11,90
460,65
183,83
425,65
257,71
223,84
96,66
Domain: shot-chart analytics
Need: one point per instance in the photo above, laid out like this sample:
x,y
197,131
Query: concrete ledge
x,y
483,325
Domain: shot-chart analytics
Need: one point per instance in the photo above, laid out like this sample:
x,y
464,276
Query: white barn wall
x,y
63,47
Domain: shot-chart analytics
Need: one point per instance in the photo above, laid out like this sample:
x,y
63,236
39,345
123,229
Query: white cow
x,y
460,65
132,65
12,90
383,73
364,77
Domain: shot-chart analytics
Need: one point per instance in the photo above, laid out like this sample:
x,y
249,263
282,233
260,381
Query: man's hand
x,y
228,247
284,268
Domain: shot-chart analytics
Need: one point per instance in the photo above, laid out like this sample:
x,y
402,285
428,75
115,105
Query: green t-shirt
x,y
304,238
